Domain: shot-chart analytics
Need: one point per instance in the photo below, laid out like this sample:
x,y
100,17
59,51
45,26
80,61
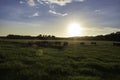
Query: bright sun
x,y
74,29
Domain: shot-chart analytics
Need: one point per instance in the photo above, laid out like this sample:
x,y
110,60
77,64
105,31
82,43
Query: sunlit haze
x,y
75,29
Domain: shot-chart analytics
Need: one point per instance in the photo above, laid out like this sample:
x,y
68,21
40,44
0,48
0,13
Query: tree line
x,y
42,37
108,37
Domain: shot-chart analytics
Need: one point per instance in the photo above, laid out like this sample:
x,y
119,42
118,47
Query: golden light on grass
x,y
75,29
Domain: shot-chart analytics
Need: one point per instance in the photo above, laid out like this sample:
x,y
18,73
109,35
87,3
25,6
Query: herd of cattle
x,y
94,43
52,44
56,44
116,44
43,44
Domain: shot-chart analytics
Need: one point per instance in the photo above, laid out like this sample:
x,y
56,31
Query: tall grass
x,y
75,62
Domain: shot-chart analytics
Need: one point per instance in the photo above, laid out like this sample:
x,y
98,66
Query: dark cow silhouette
x,y
45,44
116,44
58,43
82,43
65,43
93,43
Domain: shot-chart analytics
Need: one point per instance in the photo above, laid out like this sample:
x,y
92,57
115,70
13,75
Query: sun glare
x,y
74,29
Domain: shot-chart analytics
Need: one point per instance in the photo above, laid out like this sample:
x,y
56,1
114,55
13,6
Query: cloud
x,y
51,2
79,0
98,11
31,2
39,1
36,14
58,2
56,13
21,2
51,5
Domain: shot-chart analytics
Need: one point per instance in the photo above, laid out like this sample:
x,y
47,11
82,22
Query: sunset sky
x,y
34,17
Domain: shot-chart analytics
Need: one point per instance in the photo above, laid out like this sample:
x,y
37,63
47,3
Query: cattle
x,y
45,44
93,43
116,44
42,43
57,43
82,43
30,43
65,43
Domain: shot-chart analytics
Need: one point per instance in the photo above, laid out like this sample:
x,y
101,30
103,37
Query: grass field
x,y
75,62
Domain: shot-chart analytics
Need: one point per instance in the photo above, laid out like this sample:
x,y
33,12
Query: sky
x,y
52,17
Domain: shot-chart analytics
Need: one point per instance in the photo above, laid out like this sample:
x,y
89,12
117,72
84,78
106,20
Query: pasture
x,y
78,60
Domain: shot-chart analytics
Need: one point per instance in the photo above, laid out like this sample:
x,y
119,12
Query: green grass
x,y
75,62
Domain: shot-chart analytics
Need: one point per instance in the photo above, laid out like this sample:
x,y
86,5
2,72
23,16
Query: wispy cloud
x,y
31,2
98,11
21,2
35,14
56,13
79,0
51,4
58,2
